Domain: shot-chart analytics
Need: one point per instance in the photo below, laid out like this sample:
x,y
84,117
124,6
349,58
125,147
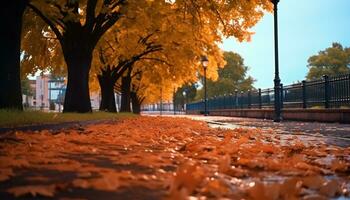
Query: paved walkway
x,y
331,133
156,158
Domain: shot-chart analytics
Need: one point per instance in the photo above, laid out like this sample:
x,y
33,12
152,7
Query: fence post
x,y
303,87
326,91
249,99
268,95
281,96
260,100
348,89
224,102
241,100
214,103
236,98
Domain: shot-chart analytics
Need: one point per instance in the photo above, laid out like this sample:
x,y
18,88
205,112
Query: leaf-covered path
x,y
158,158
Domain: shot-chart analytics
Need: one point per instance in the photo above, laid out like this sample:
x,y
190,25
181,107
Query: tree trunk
x,y
136,104
11,13
77,97
107,93
125,94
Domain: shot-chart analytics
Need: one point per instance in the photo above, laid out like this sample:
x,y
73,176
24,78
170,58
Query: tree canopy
x,y
332,61
71,35
233,76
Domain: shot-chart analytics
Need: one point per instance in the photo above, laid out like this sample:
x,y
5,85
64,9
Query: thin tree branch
x,y
90,14
213,8
158,60
47,21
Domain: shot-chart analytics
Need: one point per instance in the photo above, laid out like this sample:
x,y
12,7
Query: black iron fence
x,y
328,92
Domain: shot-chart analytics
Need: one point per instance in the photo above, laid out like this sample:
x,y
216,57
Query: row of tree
x,y
140,48
332,61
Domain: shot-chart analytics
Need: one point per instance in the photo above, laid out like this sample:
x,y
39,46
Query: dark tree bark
x,y
78,42
107,79
107,91
125,91
11,14
136,103
77,48
111,74
77,97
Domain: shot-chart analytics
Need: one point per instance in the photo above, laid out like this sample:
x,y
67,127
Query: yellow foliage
x,y
184,29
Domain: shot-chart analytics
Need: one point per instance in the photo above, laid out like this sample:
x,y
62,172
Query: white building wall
x,y
42,92
95,99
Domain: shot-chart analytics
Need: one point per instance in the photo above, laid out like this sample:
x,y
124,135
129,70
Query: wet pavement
x,y
331,133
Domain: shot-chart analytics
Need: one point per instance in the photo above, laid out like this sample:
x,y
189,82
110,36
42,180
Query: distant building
x,y
48,94
42,92
29,100
95,99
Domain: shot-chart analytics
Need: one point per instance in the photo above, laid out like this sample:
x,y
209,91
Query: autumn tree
x,y
45,54
136,93
150,32
213,19
189,28
78,26
232,77
331,61
11,13
115,66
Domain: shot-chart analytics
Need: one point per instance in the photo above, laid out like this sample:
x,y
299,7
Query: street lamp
x,y
205,62
277,80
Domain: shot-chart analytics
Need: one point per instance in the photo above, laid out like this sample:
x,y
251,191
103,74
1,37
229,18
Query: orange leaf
x,y
43,190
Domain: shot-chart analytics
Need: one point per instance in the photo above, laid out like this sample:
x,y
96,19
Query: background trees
x,y
183,95
232,77
331,61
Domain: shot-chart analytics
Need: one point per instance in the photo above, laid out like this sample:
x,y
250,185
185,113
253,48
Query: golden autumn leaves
x,y
184,29
174,158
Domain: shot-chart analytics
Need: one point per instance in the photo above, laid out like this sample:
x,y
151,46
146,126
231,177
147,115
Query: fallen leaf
x,y
216,187
5,174
267,192
338,165
313,182
314,197
331,188
34,190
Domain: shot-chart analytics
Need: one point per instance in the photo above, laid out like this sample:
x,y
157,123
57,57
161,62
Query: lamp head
x,y
204,61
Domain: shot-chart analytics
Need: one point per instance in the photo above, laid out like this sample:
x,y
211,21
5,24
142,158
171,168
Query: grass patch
x,y
12,118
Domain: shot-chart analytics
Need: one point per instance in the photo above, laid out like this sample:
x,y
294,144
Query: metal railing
x,y
328,92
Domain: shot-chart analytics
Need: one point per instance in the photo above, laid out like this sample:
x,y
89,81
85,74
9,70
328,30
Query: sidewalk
x,y
172,158
332,133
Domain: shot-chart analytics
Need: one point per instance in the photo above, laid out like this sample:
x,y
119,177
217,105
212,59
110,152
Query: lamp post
x,y
277,80
205,63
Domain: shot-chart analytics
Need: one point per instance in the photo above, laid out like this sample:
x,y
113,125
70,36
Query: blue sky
x,y
305,28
